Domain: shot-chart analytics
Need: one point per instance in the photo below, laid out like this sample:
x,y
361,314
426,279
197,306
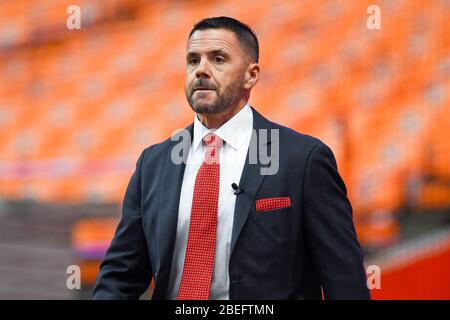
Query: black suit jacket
x,y
289,253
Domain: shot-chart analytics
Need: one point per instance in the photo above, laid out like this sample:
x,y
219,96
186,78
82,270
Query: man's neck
x,y
215,121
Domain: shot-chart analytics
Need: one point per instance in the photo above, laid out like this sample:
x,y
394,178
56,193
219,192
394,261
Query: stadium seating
x,y
78,106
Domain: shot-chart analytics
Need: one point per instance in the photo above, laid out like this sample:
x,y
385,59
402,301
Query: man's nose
x,y
202,70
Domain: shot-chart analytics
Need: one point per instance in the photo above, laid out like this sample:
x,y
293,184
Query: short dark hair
x,y
247,38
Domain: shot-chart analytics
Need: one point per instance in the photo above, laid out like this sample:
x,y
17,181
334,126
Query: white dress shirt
x,y
236,134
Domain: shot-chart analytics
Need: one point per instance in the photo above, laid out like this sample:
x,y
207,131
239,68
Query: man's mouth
x,y
203,89
202,92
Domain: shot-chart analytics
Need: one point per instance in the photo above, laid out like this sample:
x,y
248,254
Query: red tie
x,y
201,245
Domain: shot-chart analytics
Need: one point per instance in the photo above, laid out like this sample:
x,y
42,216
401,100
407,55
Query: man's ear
x,y
251,75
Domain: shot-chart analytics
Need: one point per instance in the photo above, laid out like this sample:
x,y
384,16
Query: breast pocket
x,y
274,217
272,204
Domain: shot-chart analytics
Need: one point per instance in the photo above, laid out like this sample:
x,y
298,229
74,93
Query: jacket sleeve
x,y
330,234
125,272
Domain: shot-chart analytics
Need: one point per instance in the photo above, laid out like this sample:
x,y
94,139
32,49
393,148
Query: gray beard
x,y
229,98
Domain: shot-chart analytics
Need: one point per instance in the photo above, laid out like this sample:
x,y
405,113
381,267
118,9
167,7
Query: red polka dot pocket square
x,y
269,204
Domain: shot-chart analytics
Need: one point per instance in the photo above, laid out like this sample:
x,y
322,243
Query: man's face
x,y
215,70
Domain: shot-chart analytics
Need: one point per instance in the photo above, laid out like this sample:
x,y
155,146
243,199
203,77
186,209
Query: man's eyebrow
x,y
220,51
191,54
213,52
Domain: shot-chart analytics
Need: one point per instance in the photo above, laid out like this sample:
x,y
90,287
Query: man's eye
x,y
219,59
193,61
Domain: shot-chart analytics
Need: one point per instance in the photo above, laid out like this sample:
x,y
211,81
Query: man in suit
x,y
234,206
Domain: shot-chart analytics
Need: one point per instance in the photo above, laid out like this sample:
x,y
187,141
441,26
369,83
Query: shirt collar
x,y
231,132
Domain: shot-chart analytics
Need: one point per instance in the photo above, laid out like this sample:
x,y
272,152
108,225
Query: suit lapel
x,y
251,179
169,202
